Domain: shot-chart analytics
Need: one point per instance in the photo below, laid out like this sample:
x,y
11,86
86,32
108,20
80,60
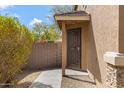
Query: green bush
x,y
15,44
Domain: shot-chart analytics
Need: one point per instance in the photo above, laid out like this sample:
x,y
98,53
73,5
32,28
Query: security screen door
x,y
74,48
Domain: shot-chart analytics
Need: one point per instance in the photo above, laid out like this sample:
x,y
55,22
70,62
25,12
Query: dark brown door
x,y
74,48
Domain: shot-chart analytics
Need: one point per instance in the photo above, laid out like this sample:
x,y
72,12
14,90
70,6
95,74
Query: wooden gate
x,y
74,48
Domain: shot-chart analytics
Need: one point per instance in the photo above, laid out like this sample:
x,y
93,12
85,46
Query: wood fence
x,y
45,55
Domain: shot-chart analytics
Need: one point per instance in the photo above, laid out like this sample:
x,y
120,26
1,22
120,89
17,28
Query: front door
x,y
74,48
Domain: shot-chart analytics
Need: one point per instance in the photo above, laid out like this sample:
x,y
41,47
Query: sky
x,y
28,14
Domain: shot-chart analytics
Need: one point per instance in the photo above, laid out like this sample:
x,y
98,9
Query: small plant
x,y
15,44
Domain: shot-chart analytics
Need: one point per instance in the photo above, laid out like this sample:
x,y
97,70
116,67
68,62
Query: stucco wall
x,y
102,37
121,29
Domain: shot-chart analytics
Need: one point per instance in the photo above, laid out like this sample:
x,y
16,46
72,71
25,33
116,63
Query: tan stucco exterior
x,y
103,36
102,33
121,28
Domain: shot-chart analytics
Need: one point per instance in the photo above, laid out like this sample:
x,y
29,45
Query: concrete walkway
x,y
75,72
53,78
48,79
77,79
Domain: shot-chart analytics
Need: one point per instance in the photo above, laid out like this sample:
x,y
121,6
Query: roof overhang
x,y
72,17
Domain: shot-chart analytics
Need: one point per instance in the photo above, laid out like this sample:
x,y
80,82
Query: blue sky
x,y
28,14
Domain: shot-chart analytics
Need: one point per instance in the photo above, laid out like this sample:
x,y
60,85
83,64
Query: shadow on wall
x,y
93,64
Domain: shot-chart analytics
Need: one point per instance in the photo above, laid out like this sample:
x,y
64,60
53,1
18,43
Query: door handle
x,y
78,48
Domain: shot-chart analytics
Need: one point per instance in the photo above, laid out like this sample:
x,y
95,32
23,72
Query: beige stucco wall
x,y
102,37
121,29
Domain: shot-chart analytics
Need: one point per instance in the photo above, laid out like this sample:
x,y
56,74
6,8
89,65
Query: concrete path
x,y
75,72
77,79
53,78
48,79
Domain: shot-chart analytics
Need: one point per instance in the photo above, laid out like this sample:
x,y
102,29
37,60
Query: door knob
x,y
78,49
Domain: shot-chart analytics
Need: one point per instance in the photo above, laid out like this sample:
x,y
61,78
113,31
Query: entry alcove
x,y
74,27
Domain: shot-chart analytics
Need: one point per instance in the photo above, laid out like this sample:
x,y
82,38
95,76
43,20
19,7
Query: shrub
x,y
15,44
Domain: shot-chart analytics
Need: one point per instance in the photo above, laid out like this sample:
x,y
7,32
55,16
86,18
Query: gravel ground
x,y
77,81
25,79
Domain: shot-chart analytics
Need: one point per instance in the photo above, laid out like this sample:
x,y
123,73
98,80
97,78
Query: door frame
x,y
84,44
80,65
